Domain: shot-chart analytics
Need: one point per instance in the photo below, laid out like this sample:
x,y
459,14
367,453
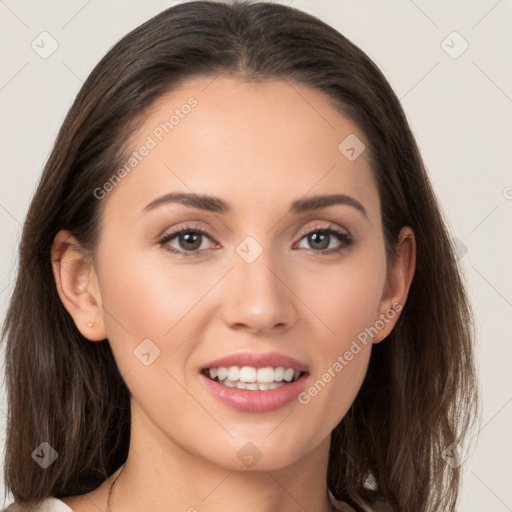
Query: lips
x,y
252,382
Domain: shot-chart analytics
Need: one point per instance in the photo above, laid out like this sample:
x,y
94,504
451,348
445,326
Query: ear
x,y
77,285
398,281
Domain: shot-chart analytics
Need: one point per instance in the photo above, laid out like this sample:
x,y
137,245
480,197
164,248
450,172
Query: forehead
x,y
249,142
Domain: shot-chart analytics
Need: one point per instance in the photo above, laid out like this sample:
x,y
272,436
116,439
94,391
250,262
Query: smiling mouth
x,y
252,378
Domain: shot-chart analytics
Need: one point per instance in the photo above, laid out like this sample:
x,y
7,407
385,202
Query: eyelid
x,y
324,227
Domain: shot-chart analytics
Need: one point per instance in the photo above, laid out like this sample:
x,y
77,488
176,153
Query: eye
x,y
189,241
320,238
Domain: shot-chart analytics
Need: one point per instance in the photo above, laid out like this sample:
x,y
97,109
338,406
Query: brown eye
x,y
320,239
186,241
190,241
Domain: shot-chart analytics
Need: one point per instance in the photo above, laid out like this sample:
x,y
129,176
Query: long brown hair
x,y
419,394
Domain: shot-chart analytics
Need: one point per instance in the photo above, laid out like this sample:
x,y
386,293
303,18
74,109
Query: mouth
x,y
253,382
252,378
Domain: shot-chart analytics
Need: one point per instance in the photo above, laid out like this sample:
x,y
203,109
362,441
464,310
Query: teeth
x,y
288,374
248,377
247,374
265,375
233,373
254,386
279,374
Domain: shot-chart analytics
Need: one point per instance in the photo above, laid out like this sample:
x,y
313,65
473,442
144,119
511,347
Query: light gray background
x,y
459,109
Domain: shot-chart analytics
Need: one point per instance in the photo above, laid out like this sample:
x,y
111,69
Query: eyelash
x,y
329,229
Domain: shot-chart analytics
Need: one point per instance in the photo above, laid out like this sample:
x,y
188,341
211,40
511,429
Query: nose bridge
x,y
257,297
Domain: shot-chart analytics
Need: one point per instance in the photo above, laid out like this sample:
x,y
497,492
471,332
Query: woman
x,y
236,289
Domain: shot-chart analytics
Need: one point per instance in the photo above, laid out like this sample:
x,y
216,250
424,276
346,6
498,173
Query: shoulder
x,y
49,504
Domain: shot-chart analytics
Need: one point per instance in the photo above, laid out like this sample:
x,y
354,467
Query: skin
x,y
282,142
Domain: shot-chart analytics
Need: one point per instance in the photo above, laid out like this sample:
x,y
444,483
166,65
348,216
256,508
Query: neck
x,y
152,478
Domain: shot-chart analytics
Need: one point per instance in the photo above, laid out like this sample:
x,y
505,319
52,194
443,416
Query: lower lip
x,y
246,400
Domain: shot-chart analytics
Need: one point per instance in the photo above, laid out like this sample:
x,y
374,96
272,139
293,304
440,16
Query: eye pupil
x,y
320,238
190,238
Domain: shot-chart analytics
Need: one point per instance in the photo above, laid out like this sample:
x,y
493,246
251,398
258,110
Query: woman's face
x,y
244,281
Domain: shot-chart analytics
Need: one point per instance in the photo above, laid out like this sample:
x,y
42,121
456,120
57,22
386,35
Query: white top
x,y
50,504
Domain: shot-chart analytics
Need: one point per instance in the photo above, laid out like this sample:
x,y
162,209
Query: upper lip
x,y
273,359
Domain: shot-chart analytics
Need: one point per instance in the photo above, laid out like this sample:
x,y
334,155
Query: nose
x,y
258,297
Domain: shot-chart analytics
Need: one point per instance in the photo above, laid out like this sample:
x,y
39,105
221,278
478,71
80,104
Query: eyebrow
x,y
217,205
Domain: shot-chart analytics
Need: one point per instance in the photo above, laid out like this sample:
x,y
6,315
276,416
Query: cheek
x,y
345,298
147,295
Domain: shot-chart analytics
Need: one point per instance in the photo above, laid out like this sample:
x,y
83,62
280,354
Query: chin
x,y
260,452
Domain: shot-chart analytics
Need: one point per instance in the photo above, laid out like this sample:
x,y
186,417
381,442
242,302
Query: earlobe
x,y
398,283
77,285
